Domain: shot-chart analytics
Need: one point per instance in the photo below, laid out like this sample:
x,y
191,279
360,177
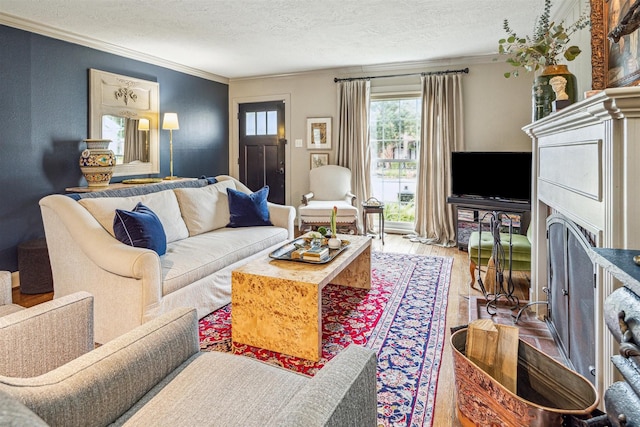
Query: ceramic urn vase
x,y
97,162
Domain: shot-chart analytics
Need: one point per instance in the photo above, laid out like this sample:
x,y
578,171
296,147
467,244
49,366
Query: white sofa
x,y
134,285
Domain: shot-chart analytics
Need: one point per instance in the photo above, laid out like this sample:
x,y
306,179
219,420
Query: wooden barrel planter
x,y
547,391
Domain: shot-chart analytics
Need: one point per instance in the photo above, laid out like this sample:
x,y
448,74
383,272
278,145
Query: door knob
x,y
281,171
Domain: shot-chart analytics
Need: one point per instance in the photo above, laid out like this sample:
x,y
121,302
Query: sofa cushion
x,y
197,257
248,210
322,208
163,203
205,209
140,228
199,395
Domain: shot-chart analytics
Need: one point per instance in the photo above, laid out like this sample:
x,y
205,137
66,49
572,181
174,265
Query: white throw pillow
x,y
205,208
162,203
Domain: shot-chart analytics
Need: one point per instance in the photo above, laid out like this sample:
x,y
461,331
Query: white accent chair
x,y
6,299
329,186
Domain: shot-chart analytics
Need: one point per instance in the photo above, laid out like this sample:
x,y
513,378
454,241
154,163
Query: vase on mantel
x,y
543,95
97,162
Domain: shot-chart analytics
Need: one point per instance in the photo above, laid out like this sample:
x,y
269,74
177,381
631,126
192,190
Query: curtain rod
x,y
430,73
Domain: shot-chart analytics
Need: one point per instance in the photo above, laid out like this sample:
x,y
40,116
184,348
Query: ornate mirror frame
x,y
123,96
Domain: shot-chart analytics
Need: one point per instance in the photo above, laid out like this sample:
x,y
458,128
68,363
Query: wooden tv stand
x,y
470,210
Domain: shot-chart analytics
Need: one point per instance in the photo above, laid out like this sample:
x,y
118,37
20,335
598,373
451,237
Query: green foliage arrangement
x,y
548,44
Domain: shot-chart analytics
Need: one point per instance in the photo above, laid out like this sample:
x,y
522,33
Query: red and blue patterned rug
x,y
402,317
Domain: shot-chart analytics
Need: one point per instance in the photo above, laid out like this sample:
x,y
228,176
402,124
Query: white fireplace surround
x,y
586,166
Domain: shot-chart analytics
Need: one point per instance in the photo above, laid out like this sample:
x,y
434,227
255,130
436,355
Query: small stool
x,y
374,209
34,267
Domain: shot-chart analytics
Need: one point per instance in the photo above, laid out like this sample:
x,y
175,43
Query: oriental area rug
x,y
402,317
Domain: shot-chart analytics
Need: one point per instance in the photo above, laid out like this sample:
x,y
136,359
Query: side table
x,y
34,267
378,208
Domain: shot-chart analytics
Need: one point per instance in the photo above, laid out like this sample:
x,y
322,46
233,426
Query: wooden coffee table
x,y
277,304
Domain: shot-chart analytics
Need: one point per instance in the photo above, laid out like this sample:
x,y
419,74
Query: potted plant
x,y
334,242
544,50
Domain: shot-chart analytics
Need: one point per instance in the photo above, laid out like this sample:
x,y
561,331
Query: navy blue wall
x,y
44,92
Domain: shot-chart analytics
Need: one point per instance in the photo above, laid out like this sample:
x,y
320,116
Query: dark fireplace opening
x,y
571,285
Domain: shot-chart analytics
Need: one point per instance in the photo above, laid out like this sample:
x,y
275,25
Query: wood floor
x,y
457,314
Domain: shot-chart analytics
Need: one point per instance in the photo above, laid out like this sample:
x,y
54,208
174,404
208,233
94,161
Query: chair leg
x,y
472,272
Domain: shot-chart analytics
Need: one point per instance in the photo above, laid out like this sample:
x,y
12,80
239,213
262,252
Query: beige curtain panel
x,y
442,133
353,135
134,147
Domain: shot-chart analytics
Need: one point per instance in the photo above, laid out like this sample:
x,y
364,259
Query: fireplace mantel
x,y
586,166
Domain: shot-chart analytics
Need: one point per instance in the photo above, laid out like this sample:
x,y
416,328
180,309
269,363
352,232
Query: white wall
x,y
495,110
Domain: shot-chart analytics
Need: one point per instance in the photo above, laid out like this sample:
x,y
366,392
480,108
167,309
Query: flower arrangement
x,y
548,44
334,214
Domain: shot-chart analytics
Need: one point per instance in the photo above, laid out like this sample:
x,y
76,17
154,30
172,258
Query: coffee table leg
x,y
358,273
276,314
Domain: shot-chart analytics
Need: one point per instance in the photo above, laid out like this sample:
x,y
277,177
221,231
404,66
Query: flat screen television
x,y
504,175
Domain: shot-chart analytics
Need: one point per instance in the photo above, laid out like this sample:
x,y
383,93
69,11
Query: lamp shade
x,y
170,121
143,124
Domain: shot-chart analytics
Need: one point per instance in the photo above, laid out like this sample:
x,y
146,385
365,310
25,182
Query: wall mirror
x,y
126,111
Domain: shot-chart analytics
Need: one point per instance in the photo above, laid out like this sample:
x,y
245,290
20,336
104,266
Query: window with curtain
x,y
394,127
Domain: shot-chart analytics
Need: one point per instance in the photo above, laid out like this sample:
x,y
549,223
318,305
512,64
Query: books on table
x,y
316,254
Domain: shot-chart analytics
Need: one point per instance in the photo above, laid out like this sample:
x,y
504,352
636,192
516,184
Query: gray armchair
x,y
156,375
6,299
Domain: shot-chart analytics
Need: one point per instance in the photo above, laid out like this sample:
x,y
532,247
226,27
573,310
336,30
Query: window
x,y
261,123
394,140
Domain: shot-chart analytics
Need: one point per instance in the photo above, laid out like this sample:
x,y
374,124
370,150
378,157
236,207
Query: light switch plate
x,y
298,143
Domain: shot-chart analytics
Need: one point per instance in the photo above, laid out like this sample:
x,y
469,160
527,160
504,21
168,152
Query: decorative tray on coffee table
x,y
290,251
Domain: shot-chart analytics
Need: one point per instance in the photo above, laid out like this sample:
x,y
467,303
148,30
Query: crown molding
x,y
45,30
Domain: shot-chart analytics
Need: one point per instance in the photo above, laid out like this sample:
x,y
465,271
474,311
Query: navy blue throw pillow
x,y
140,228
248,210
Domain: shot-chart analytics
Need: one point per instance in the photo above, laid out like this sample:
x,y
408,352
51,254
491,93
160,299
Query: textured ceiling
x,y
243,38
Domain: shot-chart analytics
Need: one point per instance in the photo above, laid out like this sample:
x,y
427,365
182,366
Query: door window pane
x,y
272,122
261,123
250,124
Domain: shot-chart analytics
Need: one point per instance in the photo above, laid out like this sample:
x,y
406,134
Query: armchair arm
x,y
342,393
46,336
351,198
306,198
5,288
283,216
97,388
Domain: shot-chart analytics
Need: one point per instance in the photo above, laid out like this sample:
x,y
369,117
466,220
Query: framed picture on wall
x,y
319,133
615,47
319,159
